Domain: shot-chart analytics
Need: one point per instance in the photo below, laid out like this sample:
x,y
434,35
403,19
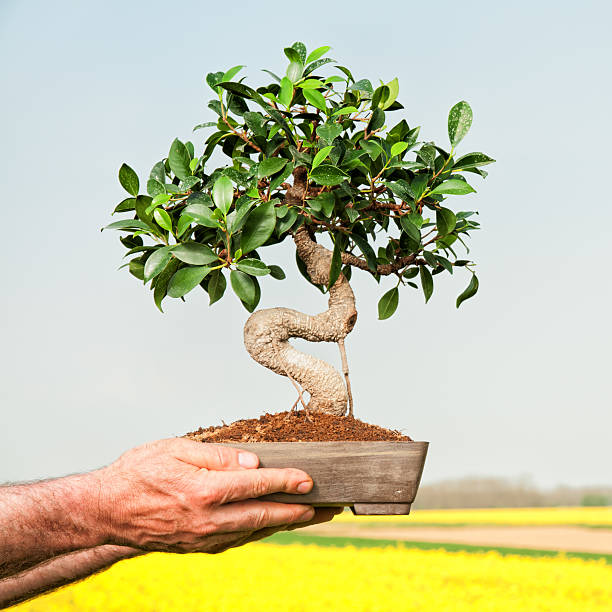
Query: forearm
x,y
43,520
60,571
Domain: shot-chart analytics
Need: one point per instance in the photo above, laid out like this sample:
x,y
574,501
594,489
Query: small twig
x,y
345,369
297,387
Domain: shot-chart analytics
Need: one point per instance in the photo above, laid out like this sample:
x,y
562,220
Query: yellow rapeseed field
x,y
495,516
270,577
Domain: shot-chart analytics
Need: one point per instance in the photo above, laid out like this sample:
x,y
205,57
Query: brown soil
x,y
298,426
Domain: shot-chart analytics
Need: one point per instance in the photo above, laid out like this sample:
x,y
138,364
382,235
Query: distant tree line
x,y
491,492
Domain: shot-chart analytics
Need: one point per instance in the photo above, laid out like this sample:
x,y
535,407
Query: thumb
x,y
213,456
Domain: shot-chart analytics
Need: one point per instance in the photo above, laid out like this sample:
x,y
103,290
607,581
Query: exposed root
x,y
267,332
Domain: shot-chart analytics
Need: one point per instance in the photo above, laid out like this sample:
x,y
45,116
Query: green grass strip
x,y
288,537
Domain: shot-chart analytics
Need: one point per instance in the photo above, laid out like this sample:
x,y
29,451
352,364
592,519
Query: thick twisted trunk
x,y
267,333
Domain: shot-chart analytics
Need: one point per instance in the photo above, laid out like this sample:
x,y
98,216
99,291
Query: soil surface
x,y
298,426
568,538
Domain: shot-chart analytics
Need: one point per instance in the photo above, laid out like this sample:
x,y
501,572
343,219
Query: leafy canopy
x,y
379,192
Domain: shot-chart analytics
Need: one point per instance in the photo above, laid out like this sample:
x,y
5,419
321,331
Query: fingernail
x,y
248,460
307,515
304,487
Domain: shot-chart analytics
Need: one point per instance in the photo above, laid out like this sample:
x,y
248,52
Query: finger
x,y
252,515
248,484
213,456
321,515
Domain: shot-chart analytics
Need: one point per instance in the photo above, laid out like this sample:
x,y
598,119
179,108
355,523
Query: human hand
x,y
178,495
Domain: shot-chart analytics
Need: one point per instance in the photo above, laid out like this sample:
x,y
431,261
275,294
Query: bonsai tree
x,y
311,159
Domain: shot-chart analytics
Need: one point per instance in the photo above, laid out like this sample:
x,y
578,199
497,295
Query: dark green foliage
x,y
372,186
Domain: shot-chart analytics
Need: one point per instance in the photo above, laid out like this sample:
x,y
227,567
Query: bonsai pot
x,y
369,477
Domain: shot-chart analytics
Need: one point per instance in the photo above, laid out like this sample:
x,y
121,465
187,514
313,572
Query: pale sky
x,y
516,382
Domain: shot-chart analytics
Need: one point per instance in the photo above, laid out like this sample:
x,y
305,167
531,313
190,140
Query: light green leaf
x,y
286,92
294,71
316,54
387,304
321,155
311,84
162,219
254,267
179,159
194,253
445,221
345,110
258,227
315,98
223,194
452,187
186,279
158,172
393,93
459,122
426,282
469,292
243,286
156,262
270,166
201,214
231,73
328,175
129,179
154,187
398,148
328,132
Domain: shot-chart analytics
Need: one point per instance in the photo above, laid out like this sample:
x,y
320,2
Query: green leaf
x,y
387,304
254,267
377,120
393,93
201,214
277,272
125,205
362,85
194,253
216,286
328,175
321,155
128,224
162,219
316,54
336,263
426,282
156,262
367,250
270,166
445,221
315,98
179,159
231,73
158,172
292,55
136,268
452,187
300,47
243,286
398,148
469,292
411,272
317,64
155,188
472,160
329,131
345,110
418,185
258,227
161,282
129,179
182,224
294,71
286,92
410,228
459,122
311,84
186,279
204,125
223,194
